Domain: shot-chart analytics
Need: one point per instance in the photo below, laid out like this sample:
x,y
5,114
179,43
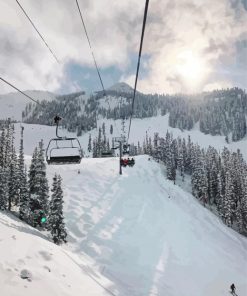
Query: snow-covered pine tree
x,y
24,209
111,129
108,148
39,190
2,147
89,147
242,210
24,197
188,161
139,149
56,223
181,162
95,149
170,164
33,171
8,142
99,143
199,175
220,195
4,191
13,180
227,204
212,172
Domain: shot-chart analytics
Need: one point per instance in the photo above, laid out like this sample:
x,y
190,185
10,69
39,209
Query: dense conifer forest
x,y
221,112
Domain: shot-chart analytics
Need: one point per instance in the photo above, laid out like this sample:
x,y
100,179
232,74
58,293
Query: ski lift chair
x,y
68,154
126,149
107,154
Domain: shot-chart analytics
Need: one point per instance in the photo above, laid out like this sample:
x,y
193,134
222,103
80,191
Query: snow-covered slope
x,y
149,236
49,270
34,133
12,104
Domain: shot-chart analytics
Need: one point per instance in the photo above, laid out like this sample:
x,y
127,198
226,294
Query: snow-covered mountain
x,y
220,112
121,87
12,104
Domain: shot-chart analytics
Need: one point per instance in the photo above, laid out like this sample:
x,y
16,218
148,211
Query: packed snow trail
x,y
149,236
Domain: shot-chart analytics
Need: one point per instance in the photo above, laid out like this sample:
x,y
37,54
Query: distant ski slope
x,y
54,271
12,104
149,236
34,133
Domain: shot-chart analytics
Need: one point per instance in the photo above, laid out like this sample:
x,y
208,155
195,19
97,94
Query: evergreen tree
x,y
227,209
39,190
2,147
111,129
56,219
95,152
13,181
4,191
22,183
33,171
181,163
170,165
24,209
89,149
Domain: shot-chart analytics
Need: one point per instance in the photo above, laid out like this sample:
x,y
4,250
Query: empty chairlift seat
x,y
64,151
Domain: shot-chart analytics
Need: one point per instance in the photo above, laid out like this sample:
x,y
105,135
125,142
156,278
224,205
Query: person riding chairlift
x,y
131,161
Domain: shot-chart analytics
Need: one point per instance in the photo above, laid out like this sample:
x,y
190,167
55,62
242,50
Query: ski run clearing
x,y
145,235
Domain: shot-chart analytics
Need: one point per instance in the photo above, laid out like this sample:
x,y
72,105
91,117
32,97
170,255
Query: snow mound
x,y
31,265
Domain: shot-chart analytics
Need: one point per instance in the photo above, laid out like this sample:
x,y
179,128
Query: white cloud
x,y
206,29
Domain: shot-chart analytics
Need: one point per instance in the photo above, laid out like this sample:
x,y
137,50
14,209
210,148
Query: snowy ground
x,y
147,235
48,269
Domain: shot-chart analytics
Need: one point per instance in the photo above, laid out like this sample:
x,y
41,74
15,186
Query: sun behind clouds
x,y
191,68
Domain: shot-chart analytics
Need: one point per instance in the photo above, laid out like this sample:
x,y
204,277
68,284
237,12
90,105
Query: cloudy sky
x,y
189,46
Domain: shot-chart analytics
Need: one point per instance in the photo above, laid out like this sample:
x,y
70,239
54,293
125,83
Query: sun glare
x,y
191,68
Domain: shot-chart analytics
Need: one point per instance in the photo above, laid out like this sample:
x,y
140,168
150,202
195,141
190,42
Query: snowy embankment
x,y
33,133
31,265
147,235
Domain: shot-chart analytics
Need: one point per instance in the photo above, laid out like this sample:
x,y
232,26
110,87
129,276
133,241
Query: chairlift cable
x,y
35,28
89,43
43,39
94,59
29,97
138,63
